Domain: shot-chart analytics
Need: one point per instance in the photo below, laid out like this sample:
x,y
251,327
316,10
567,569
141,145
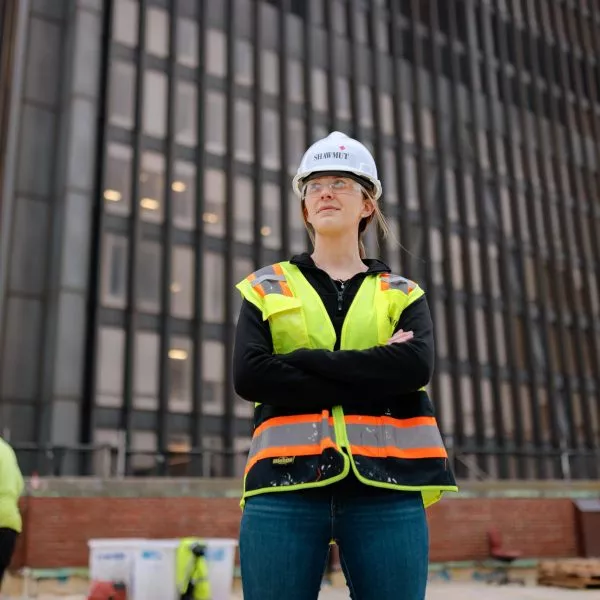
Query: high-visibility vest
x,y
400,449
192,571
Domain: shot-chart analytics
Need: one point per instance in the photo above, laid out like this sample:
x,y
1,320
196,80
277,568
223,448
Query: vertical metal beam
x,y
572,245
442,155
284,179
376,95
355,50
477,127
332,66
309,63
459,117
401,154
546,321
258,108
97,229
490,88
591,263
230,174
509,101
13,47
165,320
422,167
131,310
197,421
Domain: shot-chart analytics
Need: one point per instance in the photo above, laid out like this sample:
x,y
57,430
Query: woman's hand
x,y
400,337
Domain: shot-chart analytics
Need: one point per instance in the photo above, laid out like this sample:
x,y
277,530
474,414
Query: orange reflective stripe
x,y
392,451
402,423
277,269
286,289
294,420
385,284
305,450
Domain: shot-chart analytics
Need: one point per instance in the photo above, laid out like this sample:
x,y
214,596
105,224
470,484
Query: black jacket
x,y
314,379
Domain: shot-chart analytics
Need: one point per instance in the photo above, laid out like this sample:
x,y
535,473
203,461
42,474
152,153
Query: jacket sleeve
x,y
261,376
390,370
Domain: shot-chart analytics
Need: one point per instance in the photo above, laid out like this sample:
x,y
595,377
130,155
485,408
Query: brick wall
x,y
57,529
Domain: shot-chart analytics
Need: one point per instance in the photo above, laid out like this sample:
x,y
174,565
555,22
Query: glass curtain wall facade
x,y
483,117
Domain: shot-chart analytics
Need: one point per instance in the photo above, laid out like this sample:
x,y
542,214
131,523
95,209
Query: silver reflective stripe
x,y
403,438
269,280
398,283
296,434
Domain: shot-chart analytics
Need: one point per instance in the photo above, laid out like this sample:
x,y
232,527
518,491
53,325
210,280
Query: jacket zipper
x,y
340,295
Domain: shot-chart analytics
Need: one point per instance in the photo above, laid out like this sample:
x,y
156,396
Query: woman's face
x,y
334,204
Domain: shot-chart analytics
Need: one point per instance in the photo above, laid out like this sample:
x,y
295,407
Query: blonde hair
x,y
377,215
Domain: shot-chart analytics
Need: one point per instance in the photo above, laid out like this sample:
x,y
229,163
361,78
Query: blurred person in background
x,y
335,351
11,488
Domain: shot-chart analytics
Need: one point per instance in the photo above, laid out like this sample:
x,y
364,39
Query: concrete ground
x,y
439,591
479,591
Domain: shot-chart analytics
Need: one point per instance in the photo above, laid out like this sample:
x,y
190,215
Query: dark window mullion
x,y
458,118
88,411
509,313
546,322
228,282
258,96
593,261
451,305
580,194
477,127
131,311
164,390
399,98
197,421
284,179
332,71
356,75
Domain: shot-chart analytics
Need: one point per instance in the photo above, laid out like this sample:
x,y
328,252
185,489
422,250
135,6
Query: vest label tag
x,y
284,460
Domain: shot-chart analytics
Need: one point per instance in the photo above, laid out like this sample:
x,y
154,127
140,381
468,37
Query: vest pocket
x,y
287,323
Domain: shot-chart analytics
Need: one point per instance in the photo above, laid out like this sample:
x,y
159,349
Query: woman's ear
x,y
368,208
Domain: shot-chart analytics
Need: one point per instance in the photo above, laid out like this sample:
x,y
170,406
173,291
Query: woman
x,y
11,488
335,351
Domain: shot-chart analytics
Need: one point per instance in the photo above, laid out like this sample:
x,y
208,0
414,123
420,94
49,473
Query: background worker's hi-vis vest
x,y
291,450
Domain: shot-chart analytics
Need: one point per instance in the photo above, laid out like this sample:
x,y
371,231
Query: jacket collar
x,y
304,260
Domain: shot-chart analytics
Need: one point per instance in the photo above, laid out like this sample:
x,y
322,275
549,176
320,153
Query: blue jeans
x,y
383,542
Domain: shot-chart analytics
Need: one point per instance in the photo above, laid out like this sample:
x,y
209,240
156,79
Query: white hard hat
x,y
340,154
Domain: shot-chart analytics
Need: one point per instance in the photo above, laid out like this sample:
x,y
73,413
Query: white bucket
x,y
154,570
220,557
112,559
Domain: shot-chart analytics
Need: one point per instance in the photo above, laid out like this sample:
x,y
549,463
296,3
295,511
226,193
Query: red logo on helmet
x,y
342,147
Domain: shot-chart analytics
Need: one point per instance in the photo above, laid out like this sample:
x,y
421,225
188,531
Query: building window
x,y
244,62
154,115
214,122
319,90
182,284
109,370
213,368
148,276
125,22
146,370
295,78
214,309
244,131
122,92
157,32
187,43
271,153
183,196
114,270
214,203
243,209
180,375
186,114
216,53
271,228
270,72
117,179
152,187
